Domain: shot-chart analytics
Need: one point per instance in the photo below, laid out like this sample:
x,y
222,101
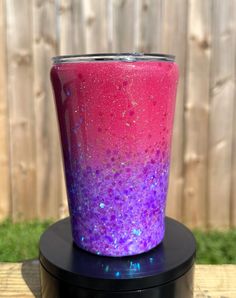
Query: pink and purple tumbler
x,y
115,114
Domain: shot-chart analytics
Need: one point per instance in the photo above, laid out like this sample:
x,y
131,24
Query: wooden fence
x,y
202,35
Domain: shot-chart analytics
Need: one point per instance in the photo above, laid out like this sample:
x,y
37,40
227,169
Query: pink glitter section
x,y
116,122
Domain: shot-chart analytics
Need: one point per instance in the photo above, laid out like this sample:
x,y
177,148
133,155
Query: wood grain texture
x,y
123,14
197,112
175,33
215,281
48,154
66,34
95,26
233,177
70,21
21,108
233,172
5,200
22,280
221,114
151,26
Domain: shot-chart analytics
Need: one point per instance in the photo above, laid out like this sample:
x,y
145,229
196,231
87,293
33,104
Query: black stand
x,y
68,271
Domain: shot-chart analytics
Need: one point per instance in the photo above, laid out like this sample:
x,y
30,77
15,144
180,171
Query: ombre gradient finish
x,y
116,123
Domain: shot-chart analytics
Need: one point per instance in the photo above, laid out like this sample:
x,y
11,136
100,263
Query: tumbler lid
x,y
168,261
124,57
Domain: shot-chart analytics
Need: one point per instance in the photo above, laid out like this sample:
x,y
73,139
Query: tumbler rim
x,y
123,57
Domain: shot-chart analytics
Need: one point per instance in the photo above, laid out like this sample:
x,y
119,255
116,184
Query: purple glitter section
x,y
118,209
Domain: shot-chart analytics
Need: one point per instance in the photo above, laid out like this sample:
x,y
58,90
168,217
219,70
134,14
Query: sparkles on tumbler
x,y
115,115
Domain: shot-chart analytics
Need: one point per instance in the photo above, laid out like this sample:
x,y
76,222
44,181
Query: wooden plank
x,y
95,26
21,108
22,280
215,281
70,30
136,25
48,162
4,124
221,114
83,26
91,30
124,13
65,29
151,26
197,112
175,33
233,177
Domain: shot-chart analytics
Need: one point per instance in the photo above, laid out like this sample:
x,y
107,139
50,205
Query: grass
x,y
19,242
216,247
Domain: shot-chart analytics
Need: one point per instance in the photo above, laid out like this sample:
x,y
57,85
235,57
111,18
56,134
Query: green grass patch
x,y
215,247
19,241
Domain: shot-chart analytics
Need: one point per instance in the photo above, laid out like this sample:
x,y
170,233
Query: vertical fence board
x,y
221,114
21,108
5,203
124,13
78,34
65,27
151,26
175,33
49,186
196,112
233,172
95,26
70,20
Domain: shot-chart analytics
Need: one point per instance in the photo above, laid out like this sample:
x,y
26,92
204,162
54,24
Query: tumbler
x,y
115,115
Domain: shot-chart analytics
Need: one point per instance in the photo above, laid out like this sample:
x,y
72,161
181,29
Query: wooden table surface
x,y
21,280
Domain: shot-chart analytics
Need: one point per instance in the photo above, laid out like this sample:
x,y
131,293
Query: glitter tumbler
x,y
115,114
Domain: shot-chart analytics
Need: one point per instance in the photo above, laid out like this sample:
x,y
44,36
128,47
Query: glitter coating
x,y
116,123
